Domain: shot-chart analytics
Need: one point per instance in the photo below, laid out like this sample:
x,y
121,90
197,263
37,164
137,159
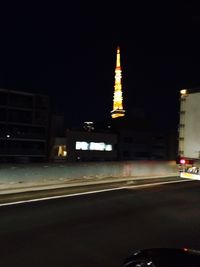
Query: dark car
x,y
163,257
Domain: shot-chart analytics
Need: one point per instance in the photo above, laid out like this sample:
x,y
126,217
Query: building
x,y
146,145
24,125
139,139
57,147
82,145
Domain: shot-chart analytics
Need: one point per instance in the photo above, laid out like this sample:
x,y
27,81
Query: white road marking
x,y
90,192
161,183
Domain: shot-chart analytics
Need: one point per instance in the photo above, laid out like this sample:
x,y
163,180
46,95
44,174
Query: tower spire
x,y
118,58
118,110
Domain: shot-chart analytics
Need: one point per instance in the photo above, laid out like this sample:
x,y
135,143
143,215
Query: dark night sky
x,y
68,52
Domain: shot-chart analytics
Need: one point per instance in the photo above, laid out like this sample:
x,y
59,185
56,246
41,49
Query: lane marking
x,y
90,192
161,183
61,196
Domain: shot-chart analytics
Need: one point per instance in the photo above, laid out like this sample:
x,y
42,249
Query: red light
x,y
182,161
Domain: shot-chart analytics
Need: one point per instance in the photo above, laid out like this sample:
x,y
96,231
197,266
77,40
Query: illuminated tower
x,y
118,110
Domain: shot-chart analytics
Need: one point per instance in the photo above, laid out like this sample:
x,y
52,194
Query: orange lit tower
x,y
118,110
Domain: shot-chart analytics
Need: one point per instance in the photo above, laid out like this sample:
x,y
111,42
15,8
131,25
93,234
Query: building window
x,y
142,154
126,154
98,146
62,152
128,139
82,146
3,98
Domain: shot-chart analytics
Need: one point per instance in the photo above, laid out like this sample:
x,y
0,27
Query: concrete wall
x,y
34,174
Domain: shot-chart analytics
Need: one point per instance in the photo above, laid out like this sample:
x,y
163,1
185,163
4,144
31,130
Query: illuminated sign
x,y
100,146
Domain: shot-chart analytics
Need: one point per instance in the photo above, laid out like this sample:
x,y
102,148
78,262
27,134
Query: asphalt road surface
x,y
100,229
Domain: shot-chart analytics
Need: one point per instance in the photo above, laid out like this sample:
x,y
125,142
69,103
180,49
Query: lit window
x,y
82,145
100,146
108,147
62,151
97,146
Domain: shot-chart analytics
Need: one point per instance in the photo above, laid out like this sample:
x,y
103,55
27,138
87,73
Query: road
x,y
100,229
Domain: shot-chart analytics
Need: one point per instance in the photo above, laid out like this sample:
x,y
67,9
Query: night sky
x,y
69,52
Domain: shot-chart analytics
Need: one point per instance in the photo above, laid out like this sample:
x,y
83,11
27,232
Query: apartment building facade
x,y
24,126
